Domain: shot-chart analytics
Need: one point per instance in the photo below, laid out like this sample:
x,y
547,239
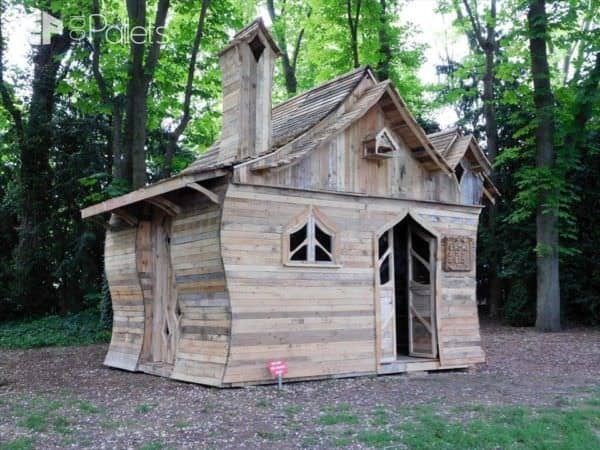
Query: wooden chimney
x,y
247,76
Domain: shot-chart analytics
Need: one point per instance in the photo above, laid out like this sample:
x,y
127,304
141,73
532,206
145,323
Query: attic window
x,y
310,241
257,47
459,171
380,145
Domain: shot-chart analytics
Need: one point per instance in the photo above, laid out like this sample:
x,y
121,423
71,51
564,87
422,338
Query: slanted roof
x,y
319,108
247,33
453,146
401,122
442,140
294,116
300,125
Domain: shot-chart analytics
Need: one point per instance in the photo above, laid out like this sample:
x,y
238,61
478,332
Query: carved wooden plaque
x,y
458,254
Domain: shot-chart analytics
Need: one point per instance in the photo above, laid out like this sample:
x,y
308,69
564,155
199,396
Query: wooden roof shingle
x,y
293,117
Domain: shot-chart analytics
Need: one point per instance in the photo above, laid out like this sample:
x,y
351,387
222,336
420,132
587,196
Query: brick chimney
x,y
247,76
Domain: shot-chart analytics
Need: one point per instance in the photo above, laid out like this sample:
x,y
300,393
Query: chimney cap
x,y
249,32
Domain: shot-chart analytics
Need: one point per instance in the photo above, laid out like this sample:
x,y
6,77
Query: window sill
x,y
313,265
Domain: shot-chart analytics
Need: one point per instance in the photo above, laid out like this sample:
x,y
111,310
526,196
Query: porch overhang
x,y
153,191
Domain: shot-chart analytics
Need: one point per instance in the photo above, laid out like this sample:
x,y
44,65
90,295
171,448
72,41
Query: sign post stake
x,y
279,381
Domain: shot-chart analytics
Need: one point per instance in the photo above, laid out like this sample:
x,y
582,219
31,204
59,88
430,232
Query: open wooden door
x,y
421,293
387,298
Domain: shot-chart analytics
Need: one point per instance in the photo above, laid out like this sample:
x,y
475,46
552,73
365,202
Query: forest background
x,y
91,116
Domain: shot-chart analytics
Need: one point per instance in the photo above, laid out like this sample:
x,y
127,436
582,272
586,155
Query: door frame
x,y
427,226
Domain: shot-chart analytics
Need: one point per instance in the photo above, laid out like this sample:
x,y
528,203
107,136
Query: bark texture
x,y
548,286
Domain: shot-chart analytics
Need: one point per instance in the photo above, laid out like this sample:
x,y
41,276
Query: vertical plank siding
x,y
339,165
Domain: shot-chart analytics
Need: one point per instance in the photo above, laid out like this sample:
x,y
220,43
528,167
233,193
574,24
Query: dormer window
x,y
310,240
380,145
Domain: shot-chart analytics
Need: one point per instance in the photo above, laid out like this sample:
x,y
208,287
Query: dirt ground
x,y
64,397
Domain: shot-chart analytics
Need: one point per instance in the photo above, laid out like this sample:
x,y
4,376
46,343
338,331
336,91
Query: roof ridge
x,y
444,131
326,83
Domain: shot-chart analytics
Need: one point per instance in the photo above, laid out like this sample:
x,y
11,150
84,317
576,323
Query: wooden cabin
x,y
329,232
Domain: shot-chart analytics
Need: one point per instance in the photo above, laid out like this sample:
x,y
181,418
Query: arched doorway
x,y
406,277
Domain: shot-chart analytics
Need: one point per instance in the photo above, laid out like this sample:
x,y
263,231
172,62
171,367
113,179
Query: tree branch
x,y
154,49
191,69
96,43
475,24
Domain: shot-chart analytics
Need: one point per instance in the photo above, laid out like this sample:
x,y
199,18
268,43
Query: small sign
x,y
278,369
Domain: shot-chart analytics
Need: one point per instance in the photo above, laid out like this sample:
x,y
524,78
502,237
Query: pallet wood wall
x,y
339,165
202,292
322,320
127,299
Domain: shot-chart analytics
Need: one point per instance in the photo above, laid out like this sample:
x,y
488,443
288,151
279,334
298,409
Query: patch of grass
x,y
18,444
380,417
309,441
110,424
263,403
73,329
292,410
144,408
377,438
37,422
341,442
270,435
337,415
87,407
570,428
61,425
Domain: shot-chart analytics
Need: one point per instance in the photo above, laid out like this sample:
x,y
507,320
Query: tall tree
x,y
174,135
34,290
353,15
548,286
385,45
129,112
290,14
483,38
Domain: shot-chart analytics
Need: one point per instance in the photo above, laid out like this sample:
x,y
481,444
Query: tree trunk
x,y
34,281
136,114
353,26
548,286
288,64
385,49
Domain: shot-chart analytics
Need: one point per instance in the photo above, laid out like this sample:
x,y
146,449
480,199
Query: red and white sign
x,y
278,368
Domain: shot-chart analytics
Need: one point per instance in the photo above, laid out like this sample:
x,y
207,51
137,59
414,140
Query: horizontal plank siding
x,y
127,299
321,320
202,293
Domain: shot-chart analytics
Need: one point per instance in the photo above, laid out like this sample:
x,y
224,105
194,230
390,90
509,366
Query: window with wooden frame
x,y
311,239
380,145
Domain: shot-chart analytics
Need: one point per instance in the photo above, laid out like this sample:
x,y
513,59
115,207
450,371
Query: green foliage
x,y
73,329
336,415
510,235
518,308
18,444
